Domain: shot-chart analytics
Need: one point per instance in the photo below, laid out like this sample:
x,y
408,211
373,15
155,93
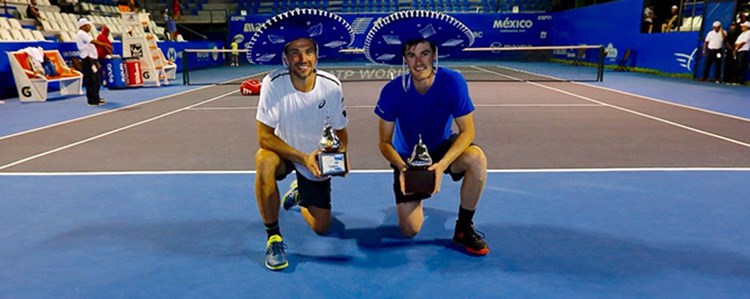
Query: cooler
x,y
133,72
113,72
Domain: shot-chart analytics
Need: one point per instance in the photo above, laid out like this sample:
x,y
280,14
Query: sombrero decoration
x,y
330,32
385,40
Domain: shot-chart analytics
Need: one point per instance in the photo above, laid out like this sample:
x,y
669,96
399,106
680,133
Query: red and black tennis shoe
x,y
471,240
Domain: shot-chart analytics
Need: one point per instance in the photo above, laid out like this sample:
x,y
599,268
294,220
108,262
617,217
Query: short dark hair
x,y
315,44
415,42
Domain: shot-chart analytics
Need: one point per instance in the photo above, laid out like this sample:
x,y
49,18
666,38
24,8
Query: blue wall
x,y
617,24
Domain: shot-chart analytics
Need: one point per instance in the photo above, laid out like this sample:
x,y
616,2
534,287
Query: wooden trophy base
x,y
419,181
333,164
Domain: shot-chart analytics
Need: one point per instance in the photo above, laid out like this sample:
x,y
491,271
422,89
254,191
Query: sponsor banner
x,y
490,30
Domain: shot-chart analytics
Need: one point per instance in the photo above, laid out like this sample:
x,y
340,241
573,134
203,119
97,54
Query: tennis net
x,y
535,64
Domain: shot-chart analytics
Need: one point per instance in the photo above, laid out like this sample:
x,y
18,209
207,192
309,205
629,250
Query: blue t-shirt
x,y
430,114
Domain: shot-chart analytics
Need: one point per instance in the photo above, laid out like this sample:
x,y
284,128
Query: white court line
x,y
665,101
389,171
121,108
625,93
100,113
659,119
112,132
223,108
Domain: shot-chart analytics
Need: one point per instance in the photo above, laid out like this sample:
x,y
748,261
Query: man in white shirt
x,y
712,51
89,63
295,104
741,49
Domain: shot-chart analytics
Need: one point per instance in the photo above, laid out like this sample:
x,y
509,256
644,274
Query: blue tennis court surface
x,y
151,196
630,234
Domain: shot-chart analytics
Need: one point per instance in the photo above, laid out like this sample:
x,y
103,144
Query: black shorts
x,y
436,155
311,193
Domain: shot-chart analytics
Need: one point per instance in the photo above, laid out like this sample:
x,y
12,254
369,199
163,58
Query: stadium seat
x,y
5,35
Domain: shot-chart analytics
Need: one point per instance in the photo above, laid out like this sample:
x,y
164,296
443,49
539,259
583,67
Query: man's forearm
x,y
275,144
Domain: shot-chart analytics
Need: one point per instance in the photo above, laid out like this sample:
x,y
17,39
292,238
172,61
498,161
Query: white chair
x,y
65,37
63,26
4,23
697,22
38,35
5,35
27,35
15,24
17,35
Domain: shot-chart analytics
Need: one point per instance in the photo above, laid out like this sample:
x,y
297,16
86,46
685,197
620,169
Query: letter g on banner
x,y
26,91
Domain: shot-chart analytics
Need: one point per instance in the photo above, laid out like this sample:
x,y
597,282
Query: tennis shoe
x,y
291,197
471,240
275,255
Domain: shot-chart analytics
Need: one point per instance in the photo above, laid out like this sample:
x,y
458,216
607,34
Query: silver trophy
x,y
331,160
417,179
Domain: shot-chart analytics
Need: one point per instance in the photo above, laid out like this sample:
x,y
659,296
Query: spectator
x,y
104,48
67,6
171,26
33,12
741,48
235,53
729,60
128,6
176,9
648,19
673,20
712,51
89,64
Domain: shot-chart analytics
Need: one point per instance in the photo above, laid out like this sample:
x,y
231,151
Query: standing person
x,y
176,9
235,54
89,64
741,48
712,51
104,46
103,49
423,104
729,59
171,26
295,104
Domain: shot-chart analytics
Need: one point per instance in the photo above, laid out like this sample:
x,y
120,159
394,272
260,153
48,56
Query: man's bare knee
x,y
409,230
321,228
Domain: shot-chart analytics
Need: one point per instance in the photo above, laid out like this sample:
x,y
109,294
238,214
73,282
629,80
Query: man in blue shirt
x,y
426,102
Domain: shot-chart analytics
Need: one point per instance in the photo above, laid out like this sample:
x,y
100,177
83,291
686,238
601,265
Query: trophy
x,y
330,160
417,179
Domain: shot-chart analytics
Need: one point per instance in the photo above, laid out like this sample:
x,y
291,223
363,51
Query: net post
x,y
185,72
600,66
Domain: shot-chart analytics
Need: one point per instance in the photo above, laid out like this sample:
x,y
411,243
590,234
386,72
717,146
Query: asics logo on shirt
x,y
322,103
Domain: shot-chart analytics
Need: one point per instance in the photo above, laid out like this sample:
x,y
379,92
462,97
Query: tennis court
x,y
592,192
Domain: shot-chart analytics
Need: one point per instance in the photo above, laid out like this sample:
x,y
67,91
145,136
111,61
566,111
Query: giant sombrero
x,y
330,32
385,40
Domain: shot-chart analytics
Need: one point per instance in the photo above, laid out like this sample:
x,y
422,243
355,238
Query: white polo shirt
x,y
298,117
85,47
744,37
715,40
